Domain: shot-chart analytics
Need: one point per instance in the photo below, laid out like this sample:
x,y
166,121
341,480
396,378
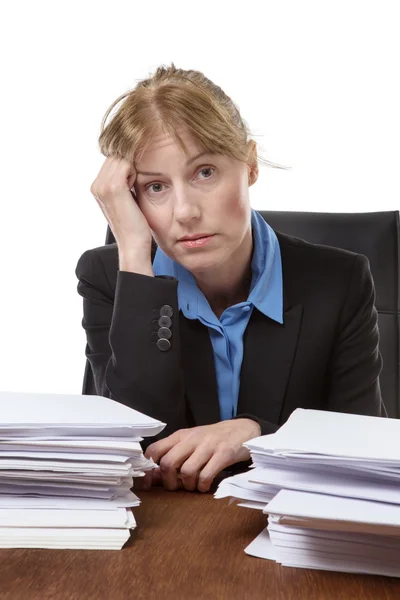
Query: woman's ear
x,y
252,162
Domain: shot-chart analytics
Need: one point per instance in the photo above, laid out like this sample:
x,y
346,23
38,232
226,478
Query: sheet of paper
x,y
30,517
66,446
242,494
67,502
320,511
18,432
262,547
239,487
21,410
64,478
315,431
327,483
72,538
61,439
336,548
251,504
20,491
275,528
77,457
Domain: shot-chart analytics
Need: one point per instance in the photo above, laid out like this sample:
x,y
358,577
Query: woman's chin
x,y
199,264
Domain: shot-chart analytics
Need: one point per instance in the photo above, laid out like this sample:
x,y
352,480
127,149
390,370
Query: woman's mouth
x,y
196,243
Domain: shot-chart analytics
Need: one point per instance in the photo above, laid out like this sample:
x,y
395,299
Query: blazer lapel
x,y
269,351
199,371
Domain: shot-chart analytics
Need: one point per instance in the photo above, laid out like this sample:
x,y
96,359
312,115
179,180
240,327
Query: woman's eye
x,y
207,169
151,185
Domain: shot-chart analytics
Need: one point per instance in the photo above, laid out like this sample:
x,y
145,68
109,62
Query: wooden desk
x,y
187,546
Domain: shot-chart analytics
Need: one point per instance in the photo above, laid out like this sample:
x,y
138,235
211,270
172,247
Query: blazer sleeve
x,y
356,362
352,379
266,426
121,332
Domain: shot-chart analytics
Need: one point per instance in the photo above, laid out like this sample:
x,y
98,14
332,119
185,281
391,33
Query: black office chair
x,y
377,236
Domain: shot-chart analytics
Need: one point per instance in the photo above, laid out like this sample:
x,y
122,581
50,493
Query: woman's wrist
x,y
136,260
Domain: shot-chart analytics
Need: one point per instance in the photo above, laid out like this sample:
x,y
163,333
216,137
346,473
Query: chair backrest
x,y
377,236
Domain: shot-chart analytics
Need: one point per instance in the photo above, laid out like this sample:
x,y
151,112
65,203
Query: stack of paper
x,y
330,483
67,464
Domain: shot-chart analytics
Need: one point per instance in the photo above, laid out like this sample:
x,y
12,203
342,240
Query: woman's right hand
x,y
112,191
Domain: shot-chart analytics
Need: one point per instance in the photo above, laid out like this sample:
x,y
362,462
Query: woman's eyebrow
x,y
188,162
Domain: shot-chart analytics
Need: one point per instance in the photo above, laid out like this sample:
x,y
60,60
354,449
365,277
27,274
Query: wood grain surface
x,y
186,546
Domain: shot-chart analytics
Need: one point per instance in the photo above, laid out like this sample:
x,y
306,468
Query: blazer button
x,y
163,344
164,332
166,311
164,322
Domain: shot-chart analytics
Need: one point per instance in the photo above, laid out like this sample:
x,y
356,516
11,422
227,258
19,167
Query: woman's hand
x,y
195,456
112,191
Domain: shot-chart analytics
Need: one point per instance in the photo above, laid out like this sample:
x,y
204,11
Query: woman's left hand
x,y
195,456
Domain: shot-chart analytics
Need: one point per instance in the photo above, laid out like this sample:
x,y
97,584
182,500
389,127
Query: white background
x,y
317,82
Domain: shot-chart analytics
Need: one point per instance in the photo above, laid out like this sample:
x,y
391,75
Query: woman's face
x,y
205,194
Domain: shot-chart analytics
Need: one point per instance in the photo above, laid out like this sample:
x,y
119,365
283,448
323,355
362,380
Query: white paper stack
x,y
67,464
330,483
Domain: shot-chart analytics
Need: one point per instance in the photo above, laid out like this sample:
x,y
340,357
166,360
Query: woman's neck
x,y
229,284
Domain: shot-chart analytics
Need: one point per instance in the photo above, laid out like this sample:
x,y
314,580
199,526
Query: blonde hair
x,y
173,99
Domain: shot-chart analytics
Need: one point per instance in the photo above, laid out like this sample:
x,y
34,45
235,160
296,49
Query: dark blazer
x,y
324,356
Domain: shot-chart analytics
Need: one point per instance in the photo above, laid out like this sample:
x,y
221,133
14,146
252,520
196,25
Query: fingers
x,y
156,450
151,478
156,477
112,189
191,468
132,178
143,483
116,176
191,458
103,176
170,452
217,463
115,173
171,463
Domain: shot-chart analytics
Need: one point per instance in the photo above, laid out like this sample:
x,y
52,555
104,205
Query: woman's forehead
x,y
163,139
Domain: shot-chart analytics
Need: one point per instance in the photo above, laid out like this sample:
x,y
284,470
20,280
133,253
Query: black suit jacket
x,y
324,356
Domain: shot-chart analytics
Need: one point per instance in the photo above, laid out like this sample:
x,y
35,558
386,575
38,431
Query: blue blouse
x,y
226,333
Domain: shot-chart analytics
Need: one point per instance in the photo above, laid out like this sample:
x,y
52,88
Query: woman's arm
x,y
353,384
351,371
121,333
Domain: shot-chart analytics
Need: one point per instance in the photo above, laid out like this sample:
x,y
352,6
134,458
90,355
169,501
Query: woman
x,y
225,326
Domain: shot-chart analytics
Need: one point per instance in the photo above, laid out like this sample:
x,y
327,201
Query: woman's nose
x,y
185,208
